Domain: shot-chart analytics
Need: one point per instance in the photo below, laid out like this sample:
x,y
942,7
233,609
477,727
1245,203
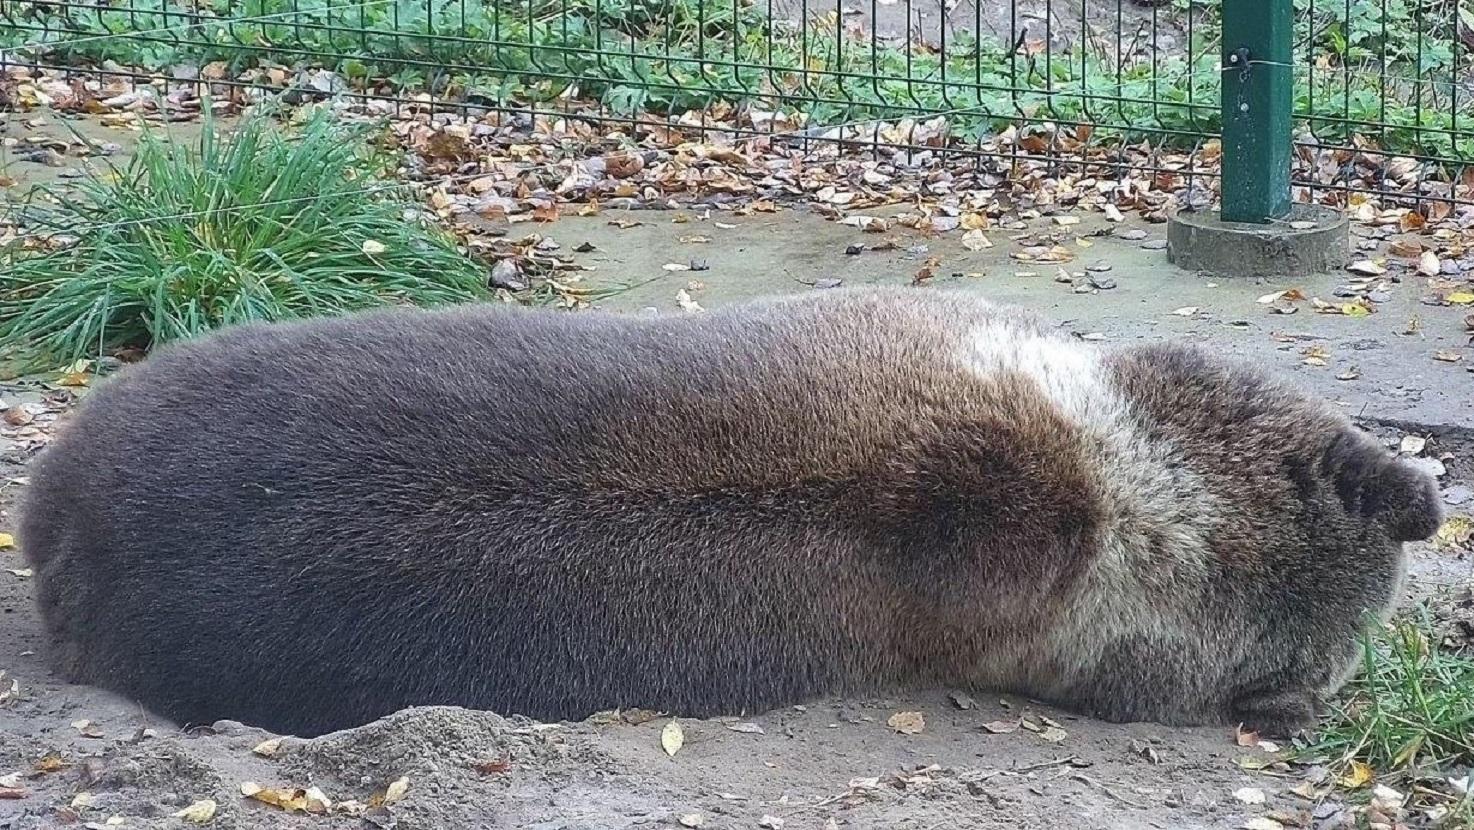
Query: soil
x,y
78,756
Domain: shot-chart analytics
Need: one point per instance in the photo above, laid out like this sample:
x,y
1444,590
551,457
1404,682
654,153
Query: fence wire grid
x,y
1384,89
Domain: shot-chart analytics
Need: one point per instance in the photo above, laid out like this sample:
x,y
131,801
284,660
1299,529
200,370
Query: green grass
x,y
260,225
1411,709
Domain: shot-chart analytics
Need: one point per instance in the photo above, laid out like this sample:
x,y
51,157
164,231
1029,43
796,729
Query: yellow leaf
x,y
1455,532
311,800
1354,310
396,790
1460,298
76,374
907,723
672,738
199,812
7,541
1357,776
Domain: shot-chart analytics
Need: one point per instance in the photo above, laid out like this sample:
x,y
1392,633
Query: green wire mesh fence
x,y
1384,89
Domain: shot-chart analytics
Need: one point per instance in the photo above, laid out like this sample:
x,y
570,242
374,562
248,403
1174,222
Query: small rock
x,y
1103,283
1133,234
1379,296
1249,795
1154,245
1431,465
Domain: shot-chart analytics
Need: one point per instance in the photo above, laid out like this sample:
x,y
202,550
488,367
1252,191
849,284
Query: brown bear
x,y
308,525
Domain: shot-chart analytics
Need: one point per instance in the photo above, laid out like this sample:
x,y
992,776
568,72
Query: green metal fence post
x,y
1257,102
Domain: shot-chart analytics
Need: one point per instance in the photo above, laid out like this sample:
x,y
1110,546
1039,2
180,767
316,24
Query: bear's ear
x,y
1372,483
1406,500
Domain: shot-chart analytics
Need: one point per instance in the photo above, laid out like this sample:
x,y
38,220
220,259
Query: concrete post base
x,y
1311,240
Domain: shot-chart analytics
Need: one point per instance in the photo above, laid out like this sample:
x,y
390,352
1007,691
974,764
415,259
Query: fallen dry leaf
x,y
672,738
1351,373
496,767
373,248
76,374
1428,264
1289,295
6,541
683,299
267,748
1053,734
974,240
1455,532
1412,444
1460,298
1186,311
311,800
1447,356
1249,795
11,793
1357,775
907,723
1002,727
1367,267
1406,248
50,762
199,812
746,727
21,573
396,790
87,728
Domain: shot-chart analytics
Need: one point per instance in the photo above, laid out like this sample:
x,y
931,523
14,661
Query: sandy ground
x,y
77,757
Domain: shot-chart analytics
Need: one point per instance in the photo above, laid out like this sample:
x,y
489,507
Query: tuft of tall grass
x,y
261,224
1411,708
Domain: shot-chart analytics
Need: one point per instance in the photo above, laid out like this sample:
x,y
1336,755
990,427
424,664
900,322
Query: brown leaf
x,y
1447,356
496,767
907,723
546,213
1406,248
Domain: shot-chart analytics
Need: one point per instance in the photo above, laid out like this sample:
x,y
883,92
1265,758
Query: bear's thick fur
x,y
306,526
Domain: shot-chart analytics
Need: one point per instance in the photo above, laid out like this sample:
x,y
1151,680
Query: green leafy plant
x,y
261,225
